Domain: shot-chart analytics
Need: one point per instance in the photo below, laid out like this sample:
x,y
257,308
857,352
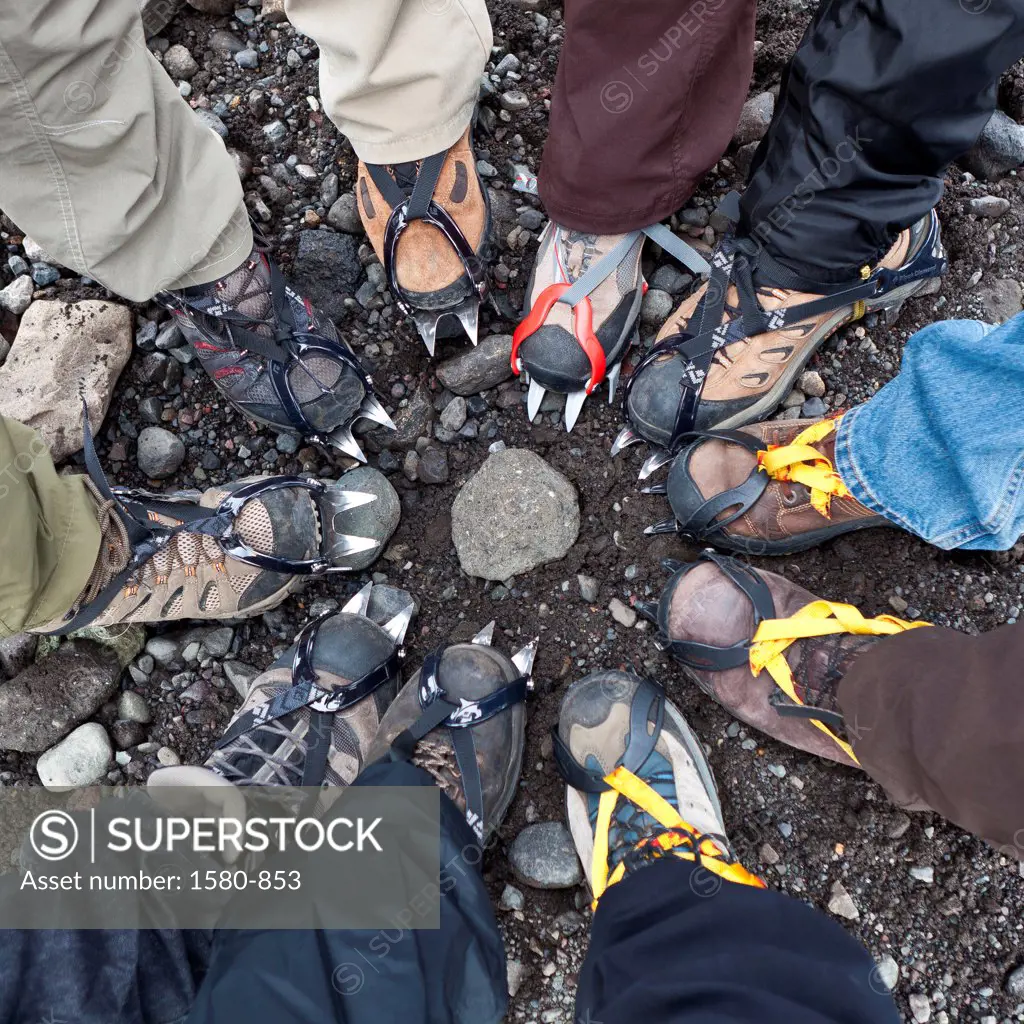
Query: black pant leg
x,y
451,975
881,96
672,943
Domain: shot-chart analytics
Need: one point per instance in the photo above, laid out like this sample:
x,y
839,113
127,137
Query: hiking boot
x,y
582,309
734,349
766,489
310,719
236,552
429,223
639,783
461,718
274,357
769,651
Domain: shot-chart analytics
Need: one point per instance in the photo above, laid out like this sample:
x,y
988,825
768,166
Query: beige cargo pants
x,y
106,166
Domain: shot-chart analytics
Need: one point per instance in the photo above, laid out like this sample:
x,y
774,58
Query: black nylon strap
x,y
469,770
321,728
785,707
386,185
426,182
404,743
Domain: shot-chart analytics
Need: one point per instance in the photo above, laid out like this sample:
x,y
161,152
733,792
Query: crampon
x,y
583,306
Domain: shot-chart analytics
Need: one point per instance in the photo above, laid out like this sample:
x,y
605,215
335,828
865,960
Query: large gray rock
x,y
326,268
514,514
78,760
755,117
1001,299
999,149
63,352
543,856
477,369
48,699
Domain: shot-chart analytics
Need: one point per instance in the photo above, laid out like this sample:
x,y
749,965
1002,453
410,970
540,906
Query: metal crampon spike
x,y
342,501
359,602
613,381
573,404
426,323
346,544
659,488
469,316
523,659
654,462
648,609
533,399
485,635
342,439
625,438
665,526
371,409
397,626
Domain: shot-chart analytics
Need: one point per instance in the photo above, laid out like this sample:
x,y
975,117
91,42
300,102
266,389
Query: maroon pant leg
x,y
935,716
647,96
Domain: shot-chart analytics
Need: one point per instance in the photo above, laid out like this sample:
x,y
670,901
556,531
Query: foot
x,y
237,551
274,357
769,651
567,348
639,783
475,751
434,254
310,719
747,377
766,489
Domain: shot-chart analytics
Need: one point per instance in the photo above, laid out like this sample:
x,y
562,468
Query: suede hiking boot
x,y
311,718
461,718
274,357
429,224
237,551
766,489
639,783
769,651
735,348
582,309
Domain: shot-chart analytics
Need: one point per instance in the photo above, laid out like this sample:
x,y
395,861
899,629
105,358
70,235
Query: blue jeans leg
x,y
940,450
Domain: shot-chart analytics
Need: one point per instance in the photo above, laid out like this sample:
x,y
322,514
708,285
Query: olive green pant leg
x,y
49,537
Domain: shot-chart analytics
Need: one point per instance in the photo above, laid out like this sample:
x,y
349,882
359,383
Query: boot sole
x,y
803,542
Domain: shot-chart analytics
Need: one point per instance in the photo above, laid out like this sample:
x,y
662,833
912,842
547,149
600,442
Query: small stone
x,y
226,42
162,650
326,265
288,444
133,708
277,131
454,415
669,279
755,117
999,149
1014,984
240,676
920,1007
531,219
888,971
17,296
516,974
80,759
480,368
433,467
180,64
777,770
127,734
841,904
512,898
989,206
344,215
167,757
510,62
543,856
249,59
307,172
769,854
17,266
17,652
485,169
656,307
514,100
812,409
925,873
159,453
811,384
897,604
588,588
411,466
34,252
622,613
43,274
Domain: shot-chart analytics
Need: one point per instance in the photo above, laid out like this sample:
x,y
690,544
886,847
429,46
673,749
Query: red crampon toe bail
x,y
583,329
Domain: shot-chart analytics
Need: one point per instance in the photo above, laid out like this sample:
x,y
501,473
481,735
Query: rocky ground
x,y
934,905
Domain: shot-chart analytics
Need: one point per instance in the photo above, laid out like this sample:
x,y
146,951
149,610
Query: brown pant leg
x,y
934,716
647,96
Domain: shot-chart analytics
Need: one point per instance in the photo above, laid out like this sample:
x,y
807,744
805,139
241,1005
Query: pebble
x,y
516,974
240,676
159,453
999,149
277,131
811,384
924,874
249,59
133,708
543,857
841,904
512,898
669,279
485,169
127,734
168,757
17,266
17,296
454,415
1014,984
920,1007
179,63
43,274
588,588
989,206
80,759
622,613
160,650
344,215
656,307
514,100
777,770
34,252
888,971
433,467
1001,299
812,409
531,219
480,368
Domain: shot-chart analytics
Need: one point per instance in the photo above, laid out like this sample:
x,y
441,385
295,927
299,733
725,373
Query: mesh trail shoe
x,y
582,309
766,489
639,784
461,718
734,349
771,653
274,357
429,223
237,551
310,719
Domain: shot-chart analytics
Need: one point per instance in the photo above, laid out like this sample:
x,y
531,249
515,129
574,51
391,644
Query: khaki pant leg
x,y
101,160
399,78
49,537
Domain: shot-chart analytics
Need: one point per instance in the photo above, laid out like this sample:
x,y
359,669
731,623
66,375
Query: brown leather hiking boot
x,y
734,349
765,489
428,221
769,651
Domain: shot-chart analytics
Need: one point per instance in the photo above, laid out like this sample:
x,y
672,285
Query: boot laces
x,y
438,760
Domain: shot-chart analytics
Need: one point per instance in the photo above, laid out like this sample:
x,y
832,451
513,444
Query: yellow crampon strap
x,y
819,618
624,784
802,464
860,307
